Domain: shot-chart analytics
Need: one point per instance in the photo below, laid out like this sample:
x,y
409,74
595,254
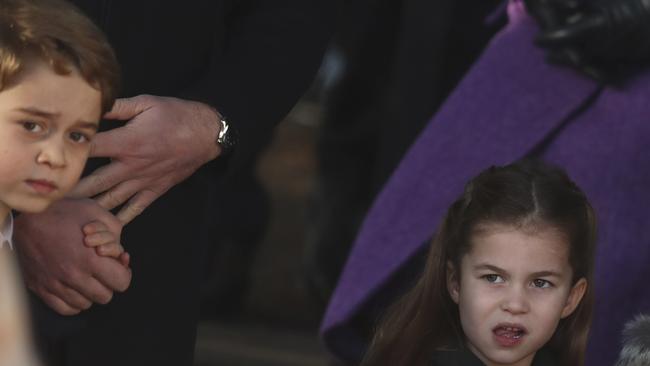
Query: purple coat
x,y
510,105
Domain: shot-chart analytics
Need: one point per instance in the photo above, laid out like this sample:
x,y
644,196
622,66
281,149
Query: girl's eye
x,y
79,137
493,278
539,283
32,126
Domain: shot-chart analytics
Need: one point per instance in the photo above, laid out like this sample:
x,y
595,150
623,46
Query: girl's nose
x,y
516,301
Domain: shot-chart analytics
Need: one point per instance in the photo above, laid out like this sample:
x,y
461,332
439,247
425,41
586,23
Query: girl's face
x,y
512,289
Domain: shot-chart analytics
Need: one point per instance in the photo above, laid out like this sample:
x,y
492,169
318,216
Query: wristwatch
x,y
227,138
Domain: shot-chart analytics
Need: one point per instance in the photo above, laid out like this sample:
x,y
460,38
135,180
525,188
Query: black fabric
x,y
459,357
249,59
464,357
402,58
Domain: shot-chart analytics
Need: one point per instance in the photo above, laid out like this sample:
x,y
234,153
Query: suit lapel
x,y
508,103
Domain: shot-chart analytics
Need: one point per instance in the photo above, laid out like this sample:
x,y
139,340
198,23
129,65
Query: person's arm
x,y
271,52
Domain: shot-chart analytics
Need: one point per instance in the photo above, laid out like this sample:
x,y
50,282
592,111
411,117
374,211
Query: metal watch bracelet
x,y
227,138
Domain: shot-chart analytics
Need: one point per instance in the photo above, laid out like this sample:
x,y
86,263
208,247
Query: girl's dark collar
x,y
462,356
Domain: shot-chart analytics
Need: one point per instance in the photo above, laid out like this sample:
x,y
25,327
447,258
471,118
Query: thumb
x,y
127,108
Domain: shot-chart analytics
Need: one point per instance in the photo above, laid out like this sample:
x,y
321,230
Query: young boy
x,y
58,76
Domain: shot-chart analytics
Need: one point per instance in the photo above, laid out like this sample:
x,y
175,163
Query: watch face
x,y
227,137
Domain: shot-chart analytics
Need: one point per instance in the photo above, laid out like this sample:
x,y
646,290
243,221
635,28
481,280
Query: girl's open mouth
x,y
509,335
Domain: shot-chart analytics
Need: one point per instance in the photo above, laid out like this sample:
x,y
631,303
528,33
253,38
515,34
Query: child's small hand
x,y
106,242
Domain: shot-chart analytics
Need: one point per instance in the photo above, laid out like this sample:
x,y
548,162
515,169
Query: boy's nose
x,y
516,302
52,154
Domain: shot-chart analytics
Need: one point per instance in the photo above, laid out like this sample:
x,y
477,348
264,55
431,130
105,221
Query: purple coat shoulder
x,y
510,105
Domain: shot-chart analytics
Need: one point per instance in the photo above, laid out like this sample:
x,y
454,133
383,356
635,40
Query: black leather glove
x,y
606,39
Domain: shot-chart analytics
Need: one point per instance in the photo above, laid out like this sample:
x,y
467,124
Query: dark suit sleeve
x,y
266,59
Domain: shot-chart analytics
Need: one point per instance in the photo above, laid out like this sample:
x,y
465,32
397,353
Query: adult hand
x,y
56,264
164,142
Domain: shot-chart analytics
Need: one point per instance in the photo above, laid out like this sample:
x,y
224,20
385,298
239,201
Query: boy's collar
x,y
7,231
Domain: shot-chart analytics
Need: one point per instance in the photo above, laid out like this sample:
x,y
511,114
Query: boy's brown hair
x,y
57,33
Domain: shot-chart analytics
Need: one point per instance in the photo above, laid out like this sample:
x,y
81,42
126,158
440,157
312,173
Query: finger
x,y
108,223
112,274
71,297
125,259
101,180
113,250
57,304
93,289
118,194
108,143
137,205
102,238
94,227
127,108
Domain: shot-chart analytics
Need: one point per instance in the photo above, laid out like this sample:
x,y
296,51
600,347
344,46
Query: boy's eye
x,y
539,283
493,278
32,126
79,137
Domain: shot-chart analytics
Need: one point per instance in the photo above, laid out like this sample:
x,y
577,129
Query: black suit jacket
x,y
251,59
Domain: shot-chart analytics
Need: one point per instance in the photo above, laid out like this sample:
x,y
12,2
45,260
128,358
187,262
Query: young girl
x,y
507,281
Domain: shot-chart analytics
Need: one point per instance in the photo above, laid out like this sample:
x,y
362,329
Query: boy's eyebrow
x,y
51,115
37,112
91,125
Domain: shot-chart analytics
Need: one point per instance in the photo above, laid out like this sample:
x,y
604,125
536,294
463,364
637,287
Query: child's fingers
x,y
125,259
110,250
100,238
94,227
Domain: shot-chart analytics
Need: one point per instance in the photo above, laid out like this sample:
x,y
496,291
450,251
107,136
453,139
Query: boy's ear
x,y
575,296
453,286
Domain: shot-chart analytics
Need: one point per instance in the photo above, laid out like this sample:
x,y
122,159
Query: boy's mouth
x,y
42,186
509,335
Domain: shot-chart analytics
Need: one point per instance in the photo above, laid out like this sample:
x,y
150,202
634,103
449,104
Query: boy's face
x,y
515,285
46,124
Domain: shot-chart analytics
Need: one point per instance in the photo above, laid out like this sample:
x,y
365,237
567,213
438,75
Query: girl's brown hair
x,y
55,32
521,194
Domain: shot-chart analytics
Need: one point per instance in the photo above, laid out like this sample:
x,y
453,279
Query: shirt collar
x,y
7,232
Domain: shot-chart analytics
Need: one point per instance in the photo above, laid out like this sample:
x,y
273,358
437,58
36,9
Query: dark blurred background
x,y
291,218
274,321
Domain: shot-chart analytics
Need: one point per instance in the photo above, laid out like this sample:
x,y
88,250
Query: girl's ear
x,y
575,295
453,286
